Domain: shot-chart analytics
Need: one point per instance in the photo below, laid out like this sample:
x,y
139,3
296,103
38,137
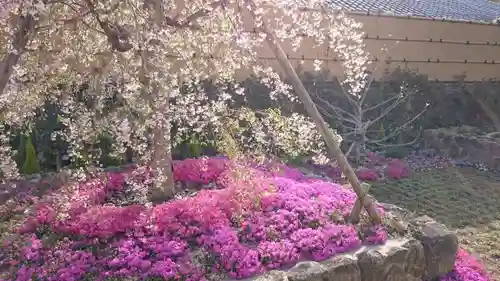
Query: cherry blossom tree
x,y
153,56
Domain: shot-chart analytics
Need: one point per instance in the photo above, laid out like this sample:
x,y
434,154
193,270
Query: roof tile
x,y
468,10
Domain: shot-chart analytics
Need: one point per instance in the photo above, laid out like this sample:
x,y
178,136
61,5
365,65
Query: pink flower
x,y
367,175
397,169
254,221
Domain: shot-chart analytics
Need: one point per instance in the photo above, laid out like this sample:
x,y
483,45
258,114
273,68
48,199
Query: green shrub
x,y
396,152
31,164
195,147
381,133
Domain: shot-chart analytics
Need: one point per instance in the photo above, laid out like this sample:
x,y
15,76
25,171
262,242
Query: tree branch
x,y
119,37
382,103
395,131
187,22
334,108
372,77
379,144
387,110
350,149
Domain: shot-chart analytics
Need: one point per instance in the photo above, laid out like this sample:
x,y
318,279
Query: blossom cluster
x,y
261,217
135,119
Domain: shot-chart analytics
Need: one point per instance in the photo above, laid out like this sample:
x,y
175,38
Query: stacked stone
x,y
428,255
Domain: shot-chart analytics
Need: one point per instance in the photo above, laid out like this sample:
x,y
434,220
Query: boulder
x,y
440,246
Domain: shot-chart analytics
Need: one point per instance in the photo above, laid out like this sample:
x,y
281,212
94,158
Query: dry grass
x,y
462,198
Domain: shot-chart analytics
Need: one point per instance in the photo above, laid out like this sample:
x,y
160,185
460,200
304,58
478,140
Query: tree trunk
x,y
331,141
360,147
359,136
161,165
357,152
23,34
161,162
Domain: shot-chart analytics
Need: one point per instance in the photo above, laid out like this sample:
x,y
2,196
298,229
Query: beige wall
x,y
484,45
408,40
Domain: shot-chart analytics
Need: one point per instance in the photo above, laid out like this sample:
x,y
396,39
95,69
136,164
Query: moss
x,y
454,196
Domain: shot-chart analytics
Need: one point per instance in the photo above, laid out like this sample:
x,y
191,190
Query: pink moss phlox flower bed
x,y
368,175
373,167
397,169
467,268
377,167
261,217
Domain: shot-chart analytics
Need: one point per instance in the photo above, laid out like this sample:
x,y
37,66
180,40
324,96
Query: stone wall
x,y
466,144
429,253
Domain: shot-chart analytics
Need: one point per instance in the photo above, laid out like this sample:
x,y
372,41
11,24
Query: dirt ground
x,y
464,199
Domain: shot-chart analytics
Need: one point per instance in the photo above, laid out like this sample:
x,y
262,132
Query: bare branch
x,y
349,97
334,108
415,140
398,129
372,77
368,85
350,149
339,118
387,110
382,103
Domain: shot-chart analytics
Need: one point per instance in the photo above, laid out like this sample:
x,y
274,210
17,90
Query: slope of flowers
x,y
261,217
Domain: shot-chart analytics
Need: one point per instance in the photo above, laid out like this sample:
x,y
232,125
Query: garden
x,y
131,149
237,220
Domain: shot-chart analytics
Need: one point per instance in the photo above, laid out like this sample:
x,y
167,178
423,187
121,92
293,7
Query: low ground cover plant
x,y
375,167
244,218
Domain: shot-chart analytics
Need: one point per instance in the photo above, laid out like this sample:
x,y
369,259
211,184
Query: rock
x,y
34,178
395,218
274,275
307,271
469,145
494,225
440,246
304,170
398,260
403,259
341,268
415,263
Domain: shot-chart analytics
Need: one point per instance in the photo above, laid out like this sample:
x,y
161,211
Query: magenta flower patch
x,y
259,218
